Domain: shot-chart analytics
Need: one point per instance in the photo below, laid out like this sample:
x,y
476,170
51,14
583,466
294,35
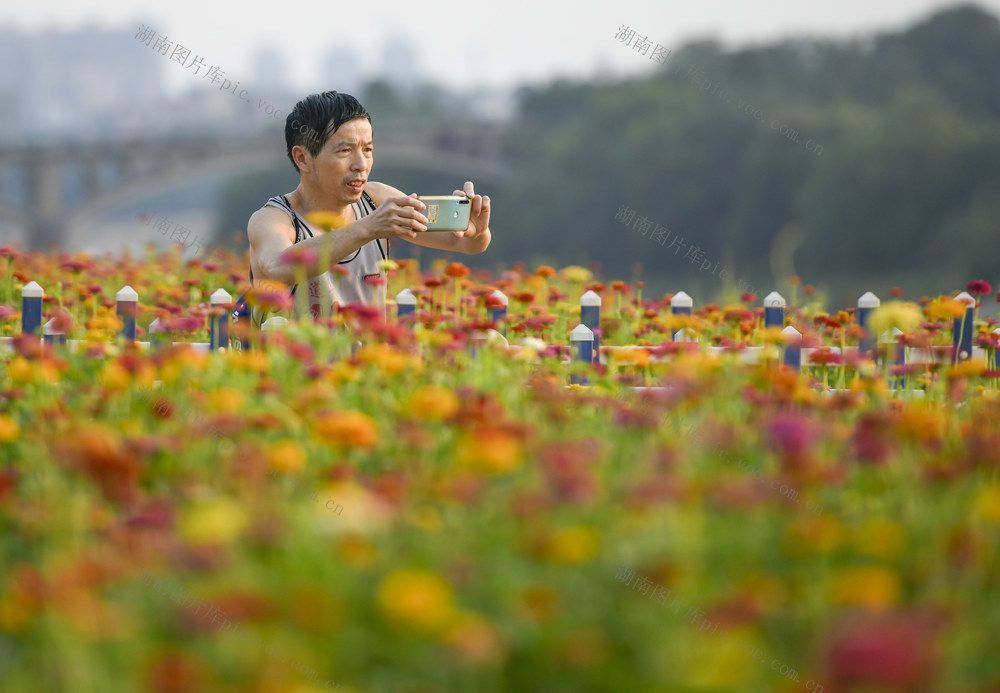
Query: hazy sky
x,y
467,43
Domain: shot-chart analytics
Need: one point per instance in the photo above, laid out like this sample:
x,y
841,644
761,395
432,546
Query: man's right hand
x,y
397,216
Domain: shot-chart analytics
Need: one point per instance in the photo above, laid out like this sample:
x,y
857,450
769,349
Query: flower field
x,y
427,511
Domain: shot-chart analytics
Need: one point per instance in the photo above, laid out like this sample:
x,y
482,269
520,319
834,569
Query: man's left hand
x,y
479,216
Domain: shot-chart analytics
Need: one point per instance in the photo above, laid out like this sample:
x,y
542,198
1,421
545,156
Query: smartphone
x,y
447,212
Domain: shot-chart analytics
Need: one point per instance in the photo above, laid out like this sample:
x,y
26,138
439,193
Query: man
x,y
330,141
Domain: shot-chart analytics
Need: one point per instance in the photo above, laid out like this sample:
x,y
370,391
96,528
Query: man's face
x,y
341,168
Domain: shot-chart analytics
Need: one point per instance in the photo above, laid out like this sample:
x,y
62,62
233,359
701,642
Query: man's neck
x,y
307,200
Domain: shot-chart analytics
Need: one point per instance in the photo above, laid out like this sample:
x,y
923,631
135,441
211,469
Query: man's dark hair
x,y
315,118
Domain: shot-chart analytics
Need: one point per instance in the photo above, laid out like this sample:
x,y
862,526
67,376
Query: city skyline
x,y
526,43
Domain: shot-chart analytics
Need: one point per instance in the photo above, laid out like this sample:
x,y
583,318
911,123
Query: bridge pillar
x,y
45,209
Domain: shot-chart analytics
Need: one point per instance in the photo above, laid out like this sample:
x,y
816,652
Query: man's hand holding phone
x,y
479,213
398,216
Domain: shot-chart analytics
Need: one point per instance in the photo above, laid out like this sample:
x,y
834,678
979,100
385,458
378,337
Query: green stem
x,y
302,292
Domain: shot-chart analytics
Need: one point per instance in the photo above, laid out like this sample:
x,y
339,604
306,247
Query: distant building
x,y
56,83
400,64
340,71
270,68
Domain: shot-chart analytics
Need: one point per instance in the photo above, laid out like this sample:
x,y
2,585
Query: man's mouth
x,y
357,183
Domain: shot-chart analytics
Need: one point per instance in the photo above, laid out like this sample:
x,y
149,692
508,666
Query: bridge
x,y
62,186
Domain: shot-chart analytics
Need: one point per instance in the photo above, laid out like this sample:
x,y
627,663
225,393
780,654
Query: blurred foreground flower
x,y
350,429
418,599
904,316
326,220
216,522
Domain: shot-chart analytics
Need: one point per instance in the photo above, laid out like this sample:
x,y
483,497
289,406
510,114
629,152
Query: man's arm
x,y
272,233
472,241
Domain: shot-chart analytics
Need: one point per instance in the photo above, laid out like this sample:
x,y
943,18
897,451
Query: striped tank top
x,y
334,289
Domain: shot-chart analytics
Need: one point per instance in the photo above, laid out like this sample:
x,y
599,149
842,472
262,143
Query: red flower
x,y
897,652
979,287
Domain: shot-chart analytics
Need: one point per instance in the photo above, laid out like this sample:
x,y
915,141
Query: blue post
x,y
218,336
498,314
157,338
866,304
582,341
51,337
406,304
774,310
793,347
680,304
127,302
31,308
590,316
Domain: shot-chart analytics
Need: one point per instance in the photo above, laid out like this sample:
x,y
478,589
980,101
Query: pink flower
x,y
299,256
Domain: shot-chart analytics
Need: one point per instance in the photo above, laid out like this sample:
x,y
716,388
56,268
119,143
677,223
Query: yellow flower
x,y
387,265
987,503
415,598
431,402
576,544
285,456
822,535
874,587
249,360
351,429
899,314
715,661
945,309
391,361
489,450
577,274
881,538
115,378
9,430
630,357
326,220
226,400
357,551
426,518
215,522
23,371
967,368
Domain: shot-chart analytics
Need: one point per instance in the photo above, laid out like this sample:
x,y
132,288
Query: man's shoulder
x,y
269,218
380,192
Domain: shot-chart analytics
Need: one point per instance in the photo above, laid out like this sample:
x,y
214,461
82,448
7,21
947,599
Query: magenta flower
x,y
979,287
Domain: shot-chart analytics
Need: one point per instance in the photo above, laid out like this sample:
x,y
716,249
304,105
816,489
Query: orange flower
x,y
457,270
432,403
286,456
489,449
351,429
9,430
415,598
874,587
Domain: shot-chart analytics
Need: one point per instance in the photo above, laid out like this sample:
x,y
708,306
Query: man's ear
x,y
302,158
